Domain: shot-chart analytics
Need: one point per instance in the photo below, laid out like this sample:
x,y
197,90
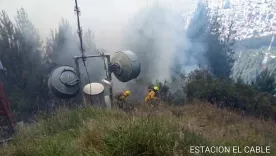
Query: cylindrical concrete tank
x,y
94,95
125,65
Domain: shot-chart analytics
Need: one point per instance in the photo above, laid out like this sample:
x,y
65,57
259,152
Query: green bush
x,y
266,82
227,93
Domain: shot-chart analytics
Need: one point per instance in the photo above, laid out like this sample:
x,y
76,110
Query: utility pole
x,y
77,10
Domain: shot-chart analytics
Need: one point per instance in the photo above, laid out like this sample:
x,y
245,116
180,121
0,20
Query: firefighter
x,y
122,97
152,95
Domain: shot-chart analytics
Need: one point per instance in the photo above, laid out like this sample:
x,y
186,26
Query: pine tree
x,y
208,38
62,45
266,82
21,54
220,48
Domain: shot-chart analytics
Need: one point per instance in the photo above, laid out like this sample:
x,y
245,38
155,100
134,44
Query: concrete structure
x,y
94,95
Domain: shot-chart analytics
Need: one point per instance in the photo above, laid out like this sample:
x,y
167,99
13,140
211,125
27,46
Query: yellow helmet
x,y
127,92
156,88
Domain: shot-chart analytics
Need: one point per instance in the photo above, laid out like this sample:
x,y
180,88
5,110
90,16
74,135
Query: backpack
x,y
156,93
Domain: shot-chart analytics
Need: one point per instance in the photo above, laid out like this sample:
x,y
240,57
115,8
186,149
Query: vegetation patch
x,y
110,132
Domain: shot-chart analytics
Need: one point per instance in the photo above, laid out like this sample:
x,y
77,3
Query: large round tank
x,y
125,65
63,82
94,94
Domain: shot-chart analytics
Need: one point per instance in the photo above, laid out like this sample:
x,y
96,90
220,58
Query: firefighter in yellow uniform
x,y
152,95
122,97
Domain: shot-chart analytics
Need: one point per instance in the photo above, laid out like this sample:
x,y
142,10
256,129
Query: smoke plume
x,y
155,30
164,45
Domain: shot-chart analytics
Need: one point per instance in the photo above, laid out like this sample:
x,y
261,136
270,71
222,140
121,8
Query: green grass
x,y
87,131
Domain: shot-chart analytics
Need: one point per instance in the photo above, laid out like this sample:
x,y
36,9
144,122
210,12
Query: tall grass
x,y
168,131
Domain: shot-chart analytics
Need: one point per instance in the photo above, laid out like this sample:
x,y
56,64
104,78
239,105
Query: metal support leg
x,y
80,96
110,79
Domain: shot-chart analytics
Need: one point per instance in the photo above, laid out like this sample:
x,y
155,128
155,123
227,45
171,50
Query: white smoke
x,y
117,24
159,37
107,18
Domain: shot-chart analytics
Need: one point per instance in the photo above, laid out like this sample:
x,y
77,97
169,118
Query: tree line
x,y
29,61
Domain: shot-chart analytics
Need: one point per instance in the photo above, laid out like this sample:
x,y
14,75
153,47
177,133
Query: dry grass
x,y
145,131
223,125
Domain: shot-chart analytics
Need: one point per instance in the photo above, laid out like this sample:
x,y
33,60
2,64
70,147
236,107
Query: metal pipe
x,y
76,58
110,79
79,96
89,56
79,30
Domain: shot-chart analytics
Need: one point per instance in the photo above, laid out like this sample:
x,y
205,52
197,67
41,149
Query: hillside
x,y
168,131
252,18
248,64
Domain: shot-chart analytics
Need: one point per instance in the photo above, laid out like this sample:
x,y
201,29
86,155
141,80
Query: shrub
x,y
227,93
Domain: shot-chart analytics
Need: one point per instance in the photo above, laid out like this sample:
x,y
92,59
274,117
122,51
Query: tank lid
x,y
64,82
93,89
68,78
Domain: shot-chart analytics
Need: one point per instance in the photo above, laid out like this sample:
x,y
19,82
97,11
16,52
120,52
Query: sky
x,y
107,18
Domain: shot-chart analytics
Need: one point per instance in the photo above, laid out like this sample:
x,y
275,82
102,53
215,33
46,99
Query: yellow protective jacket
x,y
122,97
151,95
